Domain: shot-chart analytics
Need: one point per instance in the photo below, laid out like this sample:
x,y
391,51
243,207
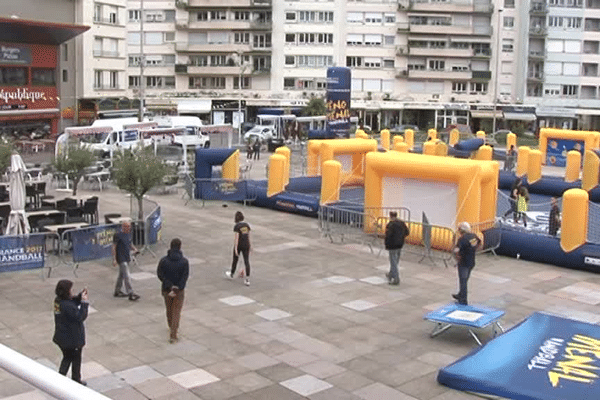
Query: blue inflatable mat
x,y
542,358
469,316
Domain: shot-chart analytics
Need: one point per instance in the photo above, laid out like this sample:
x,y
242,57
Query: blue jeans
x,y
394,261
463,277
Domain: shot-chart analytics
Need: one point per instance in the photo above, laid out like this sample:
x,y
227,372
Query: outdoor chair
x,y
31,196
90,209
75,214
108,217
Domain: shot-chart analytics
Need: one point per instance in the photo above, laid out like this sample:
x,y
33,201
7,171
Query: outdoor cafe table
x,y
60,228
119,220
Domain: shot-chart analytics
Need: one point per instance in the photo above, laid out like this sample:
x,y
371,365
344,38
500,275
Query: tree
x,y
137,172
5,153
316,106
73,163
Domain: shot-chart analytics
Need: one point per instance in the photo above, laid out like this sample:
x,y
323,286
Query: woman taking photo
x,y
69,333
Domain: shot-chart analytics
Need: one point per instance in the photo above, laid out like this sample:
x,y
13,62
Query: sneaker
x,y
247,282
134,297
84,383
228,274
173,340
394,282
120,294
455,296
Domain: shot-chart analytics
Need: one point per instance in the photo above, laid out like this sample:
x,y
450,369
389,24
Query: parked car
x,y
261,132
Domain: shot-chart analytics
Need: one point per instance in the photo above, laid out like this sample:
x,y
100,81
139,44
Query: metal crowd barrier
x,y
218,189
490,234
141,229
344,224
437,241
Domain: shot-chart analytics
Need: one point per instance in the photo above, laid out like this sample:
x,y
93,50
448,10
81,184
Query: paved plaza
x,y
318,321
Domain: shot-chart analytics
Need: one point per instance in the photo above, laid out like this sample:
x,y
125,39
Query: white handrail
x,y
44,378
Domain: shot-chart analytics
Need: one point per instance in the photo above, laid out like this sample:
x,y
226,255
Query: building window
x,y
289,83
261,63
479,88
290,61
134,81
42,77
13,76
262,41
290,38
218,15
134,15
65,75
114,79
373,18
389,40
245,82
569,90
241,38
508,22
218,61
97,79
388,63
199,61
509,3
169,36
202,16
353,61
134,61
290,17
97,12
372,62
507,45
459,87
65,52
205,82
241,15
389,18
437,65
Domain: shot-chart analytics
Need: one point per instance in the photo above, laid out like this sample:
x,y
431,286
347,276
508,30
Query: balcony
x,y
182,23
402,27
438,74
402,73
181,68
430,29
535,77
261,3
228,3
538,31
451,6
537,54
481,75
107,21
214,70
106,87
538,9
482,53
106,54
262,25
204,47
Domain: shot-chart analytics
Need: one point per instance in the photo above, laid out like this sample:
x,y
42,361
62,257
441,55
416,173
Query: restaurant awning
x,y
520,116
486,114
37,32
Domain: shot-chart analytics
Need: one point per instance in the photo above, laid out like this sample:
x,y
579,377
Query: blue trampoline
x,y
468,316
542,358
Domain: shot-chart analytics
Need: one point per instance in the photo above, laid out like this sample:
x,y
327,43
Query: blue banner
x,y
222,189
556,151
22,252
542,358
93,243
154,226
338,101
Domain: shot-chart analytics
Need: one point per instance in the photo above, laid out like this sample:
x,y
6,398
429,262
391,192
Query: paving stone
x,y
172,366
220,390
249,382
105,383
156,388
125,393
359,305
378,391
256,361
306,385
137,375
279,372
273,314
374,280
339,279
193,378
322,369
236,300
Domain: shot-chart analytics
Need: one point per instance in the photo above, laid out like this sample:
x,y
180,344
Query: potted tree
x,y
73,163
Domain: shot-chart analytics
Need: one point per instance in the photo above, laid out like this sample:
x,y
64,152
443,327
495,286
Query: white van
x,y
192,135
124,135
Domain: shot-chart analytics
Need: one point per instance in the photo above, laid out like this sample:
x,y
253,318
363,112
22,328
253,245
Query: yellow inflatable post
x,y
429,148
511,139
409,138
454,137
359,132
534,166
431,134
231,166
573,166
362,135
331,182
484,153
401,147
313,158
441,149
480,135
574,224
591,166
285,151
523,160
384,137
398,139
276,182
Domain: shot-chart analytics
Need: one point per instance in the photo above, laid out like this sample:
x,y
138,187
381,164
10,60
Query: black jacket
x,y
69,315
173,270
395,232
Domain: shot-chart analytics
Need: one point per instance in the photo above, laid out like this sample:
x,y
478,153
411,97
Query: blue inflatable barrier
x,y
469,144
542,358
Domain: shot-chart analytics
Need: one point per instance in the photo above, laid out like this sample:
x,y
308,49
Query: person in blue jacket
x,y
173,271
69,333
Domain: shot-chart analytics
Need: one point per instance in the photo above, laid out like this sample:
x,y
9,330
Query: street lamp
x,y
497,76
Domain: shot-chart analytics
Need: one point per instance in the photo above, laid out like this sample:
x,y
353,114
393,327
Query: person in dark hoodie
x,y
395,233
173,271
69,333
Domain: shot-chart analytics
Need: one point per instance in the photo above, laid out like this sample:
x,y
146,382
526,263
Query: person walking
x,y
241,244
249,150
256,149
464,251
173,271
395,233
69,332
121,252
554,218
514,196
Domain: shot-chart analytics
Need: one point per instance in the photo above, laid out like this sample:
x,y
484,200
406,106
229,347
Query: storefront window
x,y
13,76
42,77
